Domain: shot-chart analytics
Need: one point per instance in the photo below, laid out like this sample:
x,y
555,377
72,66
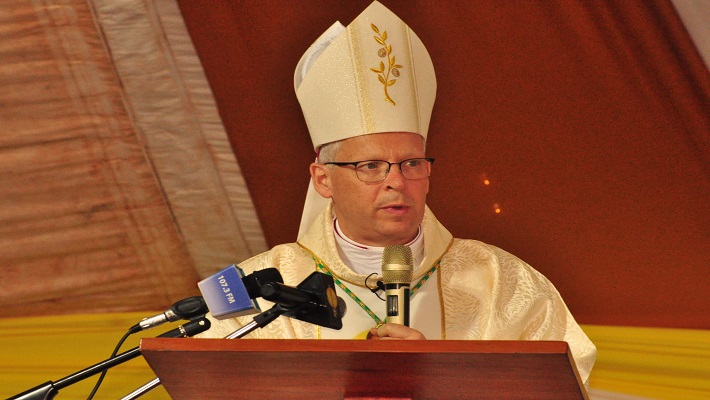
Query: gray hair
x,y
328,151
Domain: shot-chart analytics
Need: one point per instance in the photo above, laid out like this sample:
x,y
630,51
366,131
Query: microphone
x,y
397,269
313,301
188,308
229,293
188,329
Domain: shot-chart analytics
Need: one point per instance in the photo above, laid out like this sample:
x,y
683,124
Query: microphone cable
x,y
379,286
103,373
187,308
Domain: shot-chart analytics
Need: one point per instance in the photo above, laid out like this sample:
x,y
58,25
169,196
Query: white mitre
x,y
373,76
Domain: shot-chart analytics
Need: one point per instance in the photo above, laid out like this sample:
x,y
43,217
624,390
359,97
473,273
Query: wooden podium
x,y
358,369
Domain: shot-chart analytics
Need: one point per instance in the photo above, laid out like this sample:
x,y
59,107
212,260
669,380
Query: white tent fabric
x,y
173,108
695,14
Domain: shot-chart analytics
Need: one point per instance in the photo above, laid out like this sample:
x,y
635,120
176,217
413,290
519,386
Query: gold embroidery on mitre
x,y
392,68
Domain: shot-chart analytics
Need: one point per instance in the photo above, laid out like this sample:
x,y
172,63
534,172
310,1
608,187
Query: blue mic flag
x,y
226,295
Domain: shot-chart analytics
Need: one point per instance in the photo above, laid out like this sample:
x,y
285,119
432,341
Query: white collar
x,y
366,260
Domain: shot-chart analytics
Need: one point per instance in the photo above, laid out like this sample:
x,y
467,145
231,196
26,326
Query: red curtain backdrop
x,y
585,123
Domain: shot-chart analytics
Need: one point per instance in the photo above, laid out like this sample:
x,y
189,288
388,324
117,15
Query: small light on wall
x,y
496,208
484,179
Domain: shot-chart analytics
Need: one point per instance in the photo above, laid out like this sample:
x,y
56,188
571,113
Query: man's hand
x,y
395,331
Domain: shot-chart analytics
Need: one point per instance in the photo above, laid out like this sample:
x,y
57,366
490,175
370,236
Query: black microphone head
x,y
397,264
287,296
190,307
324,307
254,281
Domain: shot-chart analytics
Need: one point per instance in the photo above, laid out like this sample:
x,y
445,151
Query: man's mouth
x,y
396,207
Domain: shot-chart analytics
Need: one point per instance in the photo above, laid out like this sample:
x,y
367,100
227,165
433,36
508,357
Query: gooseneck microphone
x,y
397,269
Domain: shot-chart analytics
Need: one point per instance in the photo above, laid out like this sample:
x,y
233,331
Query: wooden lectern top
x,y
350,369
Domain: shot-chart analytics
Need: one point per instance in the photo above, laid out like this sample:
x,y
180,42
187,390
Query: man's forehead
x,y
383,142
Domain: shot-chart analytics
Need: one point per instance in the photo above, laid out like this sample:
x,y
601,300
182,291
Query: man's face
x,y
376,214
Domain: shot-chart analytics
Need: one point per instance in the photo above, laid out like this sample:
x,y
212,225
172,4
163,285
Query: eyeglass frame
x,y
430,160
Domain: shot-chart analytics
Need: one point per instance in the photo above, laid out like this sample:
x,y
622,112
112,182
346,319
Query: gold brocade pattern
x,y
364,98
441,304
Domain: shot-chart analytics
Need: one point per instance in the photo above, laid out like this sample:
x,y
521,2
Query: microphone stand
x,y
287,301
259,321
48,390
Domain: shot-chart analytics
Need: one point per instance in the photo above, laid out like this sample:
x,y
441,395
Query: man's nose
x,y
395,179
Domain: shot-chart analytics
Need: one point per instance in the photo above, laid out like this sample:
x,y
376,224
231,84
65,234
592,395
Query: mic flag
x,y
229,293
397,269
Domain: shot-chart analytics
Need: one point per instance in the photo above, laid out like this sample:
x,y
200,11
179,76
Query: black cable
x,y
103,374
379,287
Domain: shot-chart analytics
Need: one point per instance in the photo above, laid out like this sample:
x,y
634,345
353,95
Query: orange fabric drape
x,y
118,188
79,206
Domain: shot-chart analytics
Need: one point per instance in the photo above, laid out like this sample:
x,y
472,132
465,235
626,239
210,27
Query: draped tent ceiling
x,y
148,143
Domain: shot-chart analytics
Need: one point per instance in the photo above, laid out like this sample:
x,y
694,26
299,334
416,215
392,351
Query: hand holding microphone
x,y
397,269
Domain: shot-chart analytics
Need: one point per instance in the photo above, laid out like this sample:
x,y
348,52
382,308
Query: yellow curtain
x,y
39,349
650,362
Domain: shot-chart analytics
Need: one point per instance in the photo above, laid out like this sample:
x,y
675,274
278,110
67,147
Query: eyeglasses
x,y
373,171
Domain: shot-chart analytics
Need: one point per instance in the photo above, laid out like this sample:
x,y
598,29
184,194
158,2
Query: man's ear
x,y
320,174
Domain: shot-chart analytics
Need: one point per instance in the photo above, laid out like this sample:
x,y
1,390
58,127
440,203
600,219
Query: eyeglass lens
x,y
375,171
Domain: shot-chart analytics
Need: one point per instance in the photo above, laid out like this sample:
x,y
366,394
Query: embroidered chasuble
x,y
463,290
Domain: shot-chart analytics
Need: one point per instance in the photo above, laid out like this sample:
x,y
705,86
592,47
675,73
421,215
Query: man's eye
x,y
412,163
369,165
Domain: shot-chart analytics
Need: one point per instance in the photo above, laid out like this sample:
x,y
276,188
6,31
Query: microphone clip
x,y
379,286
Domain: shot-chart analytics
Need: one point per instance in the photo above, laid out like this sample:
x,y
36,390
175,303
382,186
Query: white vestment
x,y
477,292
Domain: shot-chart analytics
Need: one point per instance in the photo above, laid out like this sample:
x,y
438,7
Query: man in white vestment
x,y
367,92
